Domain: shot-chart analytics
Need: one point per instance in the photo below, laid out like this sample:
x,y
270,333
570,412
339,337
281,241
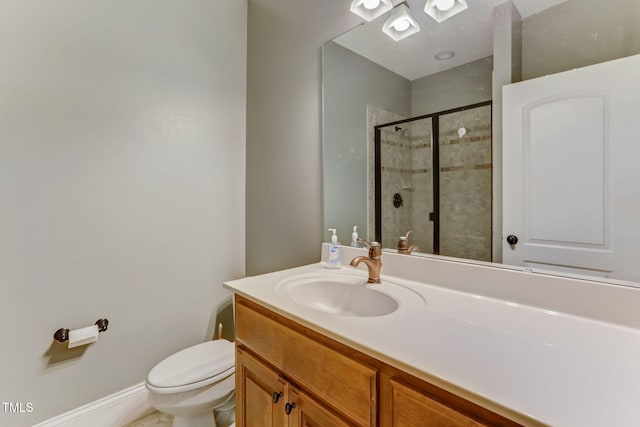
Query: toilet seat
x,y
192,368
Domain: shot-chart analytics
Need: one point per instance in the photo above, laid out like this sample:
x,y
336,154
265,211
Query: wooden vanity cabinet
x,y
267,399
314,372
328,384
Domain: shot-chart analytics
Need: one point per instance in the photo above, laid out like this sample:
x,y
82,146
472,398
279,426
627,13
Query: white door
x,y
571,188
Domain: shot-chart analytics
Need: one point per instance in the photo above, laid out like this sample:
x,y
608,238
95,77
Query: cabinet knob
x,y
288,407
276,396
512,239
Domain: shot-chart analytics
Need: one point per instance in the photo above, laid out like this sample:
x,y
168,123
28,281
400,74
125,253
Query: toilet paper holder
x,y
62,334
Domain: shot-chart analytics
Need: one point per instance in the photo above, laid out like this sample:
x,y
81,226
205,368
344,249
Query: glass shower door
x,y
407,183
465,183
434,177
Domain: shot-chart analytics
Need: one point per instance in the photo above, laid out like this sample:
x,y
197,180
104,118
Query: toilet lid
x,y
194,364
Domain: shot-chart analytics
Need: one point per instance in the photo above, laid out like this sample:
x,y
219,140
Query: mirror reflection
x,y
399,89
433,177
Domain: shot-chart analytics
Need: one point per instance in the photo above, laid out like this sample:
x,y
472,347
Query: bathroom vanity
x,y
439,342
277,359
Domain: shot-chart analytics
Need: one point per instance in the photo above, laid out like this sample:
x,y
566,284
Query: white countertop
x,y
542,366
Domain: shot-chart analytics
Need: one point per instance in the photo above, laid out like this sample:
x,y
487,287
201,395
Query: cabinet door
x,y
411,408
345,384
259,393
309,413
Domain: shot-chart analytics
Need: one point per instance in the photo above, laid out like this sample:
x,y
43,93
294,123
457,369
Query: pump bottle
x,y
354,237
334,251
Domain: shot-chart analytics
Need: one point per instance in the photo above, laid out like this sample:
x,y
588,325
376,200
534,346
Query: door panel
x,y
309,413
564,174
258,385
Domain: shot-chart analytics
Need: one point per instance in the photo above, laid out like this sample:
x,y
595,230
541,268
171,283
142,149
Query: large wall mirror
x,y
410,140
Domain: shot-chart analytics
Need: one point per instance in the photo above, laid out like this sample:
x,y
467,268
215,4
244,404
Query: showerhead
x,y
405,132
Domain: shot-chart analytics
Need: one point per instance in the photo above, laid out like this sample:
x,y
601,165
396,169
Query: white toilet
x,y
194,383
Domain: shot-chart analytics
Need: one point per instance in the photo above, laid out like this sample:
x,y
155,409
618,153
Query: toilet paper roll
x,y
83,336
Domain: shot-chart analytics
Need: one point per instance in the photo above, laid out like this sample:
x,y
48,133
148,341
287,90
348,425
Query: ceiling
x,y
469,34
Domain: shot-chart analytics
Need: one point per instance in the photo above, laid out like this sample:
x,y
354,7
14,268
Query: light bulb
x,y
443,5
371,4
401,24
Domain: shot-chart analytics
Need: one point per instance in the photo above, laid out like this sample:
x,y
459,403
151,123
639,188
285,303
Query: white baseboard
x,y
112,411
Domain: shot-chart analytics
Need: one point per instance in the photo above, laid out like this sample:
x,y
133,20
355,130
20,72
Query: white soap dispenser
x,y
354,237
334,251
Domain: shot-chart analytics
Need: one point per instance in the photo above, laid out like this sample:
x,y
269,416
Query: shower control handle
x,y
397,200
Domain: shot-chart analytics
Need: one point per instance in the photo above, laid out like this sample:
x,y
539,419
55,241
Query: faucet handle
x,y
375,249
361,240
368,244
403,244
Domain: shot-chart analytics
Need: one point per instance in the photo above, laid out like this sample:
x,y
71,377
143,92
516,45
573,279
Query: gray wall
x,y
507,62
350,83
122,139
284,168
577,33
456,87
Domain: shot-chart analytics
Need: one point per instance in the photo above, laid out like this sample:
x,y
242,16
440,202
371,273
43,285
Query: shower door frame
x,y
435,168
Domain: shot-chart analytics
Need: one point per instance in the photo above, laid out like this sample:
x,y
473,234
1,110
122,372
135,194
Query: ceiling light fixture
x,y
444,55
444,5
370,9
444,9
400,23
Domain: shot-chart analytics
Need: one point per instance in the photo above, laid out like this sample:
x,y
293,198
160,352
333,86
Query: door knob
x,y
512,240
288,407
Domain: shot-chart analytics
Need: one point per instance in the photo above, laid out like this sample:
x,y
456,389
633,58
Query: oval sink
x,y
348,295
343,298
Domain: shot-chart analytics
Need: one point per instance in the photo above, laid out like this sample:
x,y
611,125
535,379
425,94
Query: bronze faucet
x,y
373,261
404,247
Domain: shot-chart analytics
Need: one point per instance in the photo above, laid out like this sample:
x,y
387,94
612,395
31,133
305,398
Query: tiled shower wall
x,y
376,116
406,170
396,156
465,184
422,177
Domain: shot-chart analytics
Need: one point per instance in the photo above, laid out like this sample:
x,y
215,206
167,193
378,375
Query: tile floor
x,y
224,418
154,419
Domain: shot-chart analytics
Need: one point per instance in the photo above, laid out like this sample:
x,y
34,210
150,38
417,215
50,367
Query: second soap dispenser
x,y
354,237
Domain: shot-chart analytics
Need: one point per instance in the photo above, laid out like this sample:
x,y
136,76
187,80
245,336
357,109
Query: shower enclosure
x,y
433,176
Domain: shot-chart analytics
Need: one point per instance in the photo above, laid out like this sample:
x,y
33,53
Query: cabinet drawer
x,y
412,407
344,384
